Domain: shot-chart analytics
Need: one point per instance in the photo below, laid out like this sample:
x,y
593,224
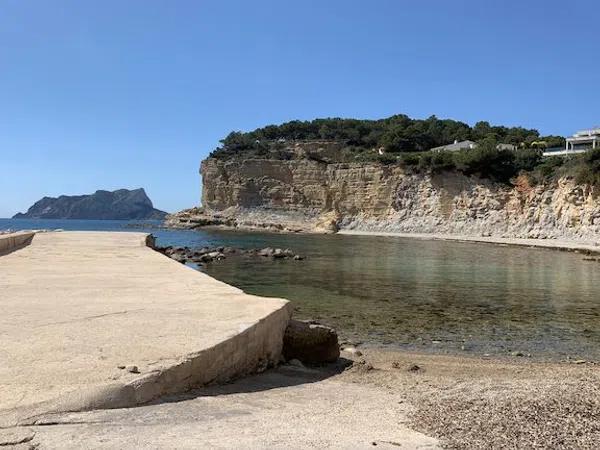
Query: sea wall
x,y
309,195
14,241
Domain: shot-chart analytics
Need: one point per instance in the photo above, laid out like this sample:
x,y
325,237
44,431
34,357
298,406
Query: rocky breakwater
x,y
312,194
205,255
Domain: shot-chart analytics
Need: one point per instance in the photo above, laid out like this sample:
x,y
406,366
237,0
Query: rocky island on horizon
x,y
122,204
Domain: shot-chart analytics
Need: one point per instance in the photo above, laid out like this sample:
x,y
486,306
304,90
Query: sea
x,y
401,293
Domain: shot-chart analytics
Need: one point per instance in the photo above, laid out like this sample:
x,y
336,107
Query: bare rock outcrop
x,y
122,204
312,195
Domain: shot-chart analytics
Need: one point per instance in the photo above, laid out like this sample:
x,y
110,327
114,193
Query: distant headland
x,y
122,204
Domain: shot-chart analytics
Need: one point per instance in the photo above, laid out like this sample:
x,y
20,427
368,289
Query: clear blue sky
x,y
108,94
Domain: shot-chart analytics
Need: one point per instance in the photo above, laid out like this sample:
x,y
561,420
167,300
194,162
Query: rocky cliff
x,y
117,205
313,195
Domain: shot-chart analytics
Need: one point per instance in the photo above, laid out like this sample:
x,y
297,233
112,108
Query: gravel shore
x,y
556,244
478,403
382,399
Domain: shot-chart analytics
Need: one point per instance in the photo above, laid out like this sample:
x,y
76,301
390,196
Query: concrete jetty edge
x,y
15,241
226,333
253,350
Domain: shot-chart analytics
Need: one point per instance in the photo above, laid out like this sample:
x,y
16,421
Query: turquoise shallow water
x,y
446,297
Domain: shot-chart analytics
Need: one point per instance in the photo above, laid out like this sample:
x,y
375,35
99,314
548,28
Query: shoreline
x,y
552,244
470,402
383,399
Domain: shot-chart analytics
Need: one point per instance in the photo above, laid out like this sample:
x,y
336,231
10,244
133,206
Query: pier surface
x,y
94,320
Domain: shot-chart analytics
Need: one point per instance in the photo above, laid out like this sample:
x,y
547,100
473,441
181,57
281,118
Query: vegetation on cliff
x,y
396,134
486,161
407,142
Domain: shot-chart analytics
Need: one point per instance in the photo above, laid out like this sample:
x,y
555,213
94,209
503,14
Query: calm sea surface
x,y
446,297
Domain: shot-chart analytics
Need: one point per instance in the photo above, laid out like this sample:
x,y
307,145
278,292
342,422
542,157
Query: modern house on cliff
x,y
584,140
455,146
580,142
467,145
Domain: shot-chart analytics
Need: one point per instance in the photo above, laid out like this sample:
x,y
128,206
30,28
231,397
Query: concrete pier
x,y
14,241
95,320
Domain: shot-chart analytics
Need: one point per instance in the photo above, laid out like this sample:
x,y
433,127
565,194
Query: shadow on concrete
x,y
283,376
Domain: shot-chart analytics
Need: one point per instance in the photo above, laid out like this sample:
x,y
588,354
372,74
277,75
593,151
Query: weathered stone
x,y
179,258
310,342
295,363
312,195
266,252
361,366
352,351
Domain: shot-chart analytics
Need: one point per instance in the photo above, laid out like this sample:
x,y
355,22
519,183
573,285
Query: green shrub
x,y
397,134
546,170
410,159
527,159
584,168
442,161
387,159
487,162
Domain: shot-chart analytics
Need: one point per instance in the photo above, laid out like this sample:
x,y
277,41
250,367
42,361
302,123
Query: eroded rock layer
x,y
312,195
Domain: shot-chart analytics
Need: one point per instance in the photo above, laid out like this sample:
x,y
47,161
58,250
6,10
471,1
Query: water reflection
x,y
426,295
442,296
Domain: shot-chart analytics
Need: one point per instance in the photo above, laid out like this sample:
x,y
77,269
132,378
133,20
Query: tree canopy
x,y
408,142
395,134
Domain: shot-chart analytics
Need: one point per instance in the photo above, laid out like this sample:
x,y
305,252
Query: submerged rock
x,y
266,252
206,254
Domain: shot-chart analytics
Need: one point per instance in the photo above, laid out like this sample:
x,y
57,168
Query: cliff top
x,y
408,142
359,138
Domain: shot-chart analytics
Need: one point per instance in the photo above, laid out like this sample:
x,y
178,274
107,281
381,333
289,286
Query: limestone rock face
x,y
318,196
117,205
310,343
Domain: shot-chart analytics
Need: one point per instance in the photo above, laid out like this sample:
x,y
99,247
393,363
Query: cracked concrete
x,y
77,305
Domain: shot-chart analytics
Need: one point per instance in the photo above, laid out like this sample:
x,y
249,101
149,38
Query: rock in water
x,y
121,204
310,342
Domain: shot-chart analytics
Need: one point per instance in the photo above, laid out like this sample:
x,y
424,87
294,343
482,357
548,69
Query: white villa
x,y
584,139
467,145
455,146
580,142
